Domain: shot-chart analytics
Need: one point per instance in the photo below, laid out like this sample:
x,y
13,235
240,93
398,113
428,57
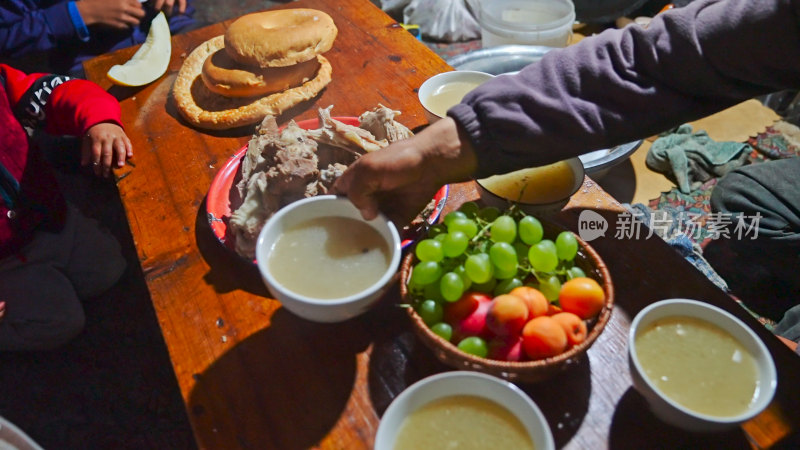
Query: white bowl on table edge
x,y
669,410
325,310
464,382
13,437
432,84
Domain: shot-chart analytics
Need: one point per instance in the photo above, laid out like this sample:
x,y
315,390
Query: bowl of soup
x,y
536,190
323,261
465,410
445,90
699,367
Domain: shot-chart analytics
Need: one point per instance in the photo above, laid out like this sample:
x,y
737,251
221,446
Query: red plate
x,y
218,209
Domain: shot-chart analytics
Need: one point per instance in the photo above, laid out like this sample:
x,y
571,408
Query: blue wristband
x,y
77,21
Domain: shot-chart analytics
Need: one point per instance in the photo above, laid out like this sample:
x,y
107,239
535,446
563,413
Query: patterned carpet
x,y
764,301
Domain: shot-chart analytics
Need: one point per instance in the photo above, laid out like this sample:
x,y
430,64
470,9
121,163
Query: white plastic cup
x,y
527,22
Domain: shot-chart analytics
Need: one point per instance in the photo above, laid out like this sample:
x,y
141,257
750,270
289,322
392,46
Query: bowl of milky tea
x,y
445,90
699,367
465,410
323,261
536,190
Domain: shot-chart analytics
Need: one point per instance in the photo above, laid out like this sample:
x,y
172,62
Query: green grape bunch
x,y
490,251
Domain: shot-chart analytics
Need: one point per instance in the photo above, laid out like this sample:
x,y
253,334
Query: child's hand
x,y
170,7
104,146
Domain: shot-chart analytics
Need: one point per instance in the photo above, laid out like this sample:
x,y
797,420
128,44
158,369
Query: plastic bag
x,y
444,20
394,8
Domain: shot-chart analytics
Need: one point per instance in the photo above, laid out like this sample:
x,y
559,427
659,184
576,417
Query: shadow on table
x,y
564,399
398,358
634,426
228,271
619,181
284,387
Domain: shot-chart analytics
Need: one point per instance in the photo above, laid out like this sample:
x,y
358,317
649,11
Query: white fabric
x,y
444,20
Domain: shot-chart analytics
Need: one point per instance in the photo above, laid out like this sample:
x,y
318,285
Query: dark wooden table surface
x,y
253,375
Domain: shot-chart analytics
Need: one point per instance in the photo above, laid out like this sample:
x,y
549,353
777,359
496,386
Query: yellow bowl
x,y
549,188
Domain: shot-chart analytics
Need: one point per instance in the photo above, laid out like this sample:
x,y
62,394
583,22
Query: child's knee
x,y
42,334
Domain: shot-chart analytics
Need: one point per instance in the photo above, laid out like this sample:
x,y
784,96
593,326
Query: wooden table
x,y
253,375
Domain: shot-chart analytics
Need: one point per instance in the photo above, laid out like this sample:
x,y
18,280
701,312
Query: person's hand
x,y
168,6
120,14
402,178
104,146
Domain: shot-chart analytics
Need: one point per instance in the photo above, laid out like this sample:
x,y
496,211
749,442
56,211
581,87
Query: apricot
x,y
573,326
553,310
536,301
582,296
543,337
507,315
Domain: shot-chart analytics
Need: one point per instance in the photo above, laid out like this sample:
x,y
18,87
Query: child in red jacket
x,y
50,255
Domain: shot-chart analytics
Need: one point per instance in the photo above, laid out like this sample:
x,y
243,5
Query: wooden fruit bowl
x,y
526,371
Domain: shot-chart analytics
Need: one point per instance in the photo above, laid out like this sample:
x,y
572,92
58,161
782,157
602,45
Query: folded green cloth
x,y
690,159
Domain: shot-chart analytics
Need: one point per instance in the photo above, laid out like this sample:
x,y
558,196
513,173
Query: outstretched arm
x,y
627,84
25,28
608,89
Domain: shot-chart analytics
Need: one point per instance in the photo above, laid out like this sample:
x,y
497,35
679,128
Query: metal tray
x,y
499,59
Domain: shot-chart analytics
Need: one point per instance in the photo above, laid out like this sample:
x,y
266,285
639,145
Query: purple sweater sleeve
x,y
628,84
27,27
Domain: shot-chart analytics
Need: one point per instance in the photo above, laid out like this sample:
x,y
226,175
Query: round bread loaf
x,y
224,76
279,38
205,109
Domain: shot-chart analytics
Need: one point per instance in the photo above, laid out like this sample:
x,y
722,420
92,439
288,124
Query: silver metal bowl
x,y
504,59
500,59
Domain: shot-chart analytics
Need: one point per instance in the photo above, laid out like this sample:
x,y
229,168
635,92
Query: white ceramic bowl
x,y
672,412
433,84
492,199
324,310
12,437
448,384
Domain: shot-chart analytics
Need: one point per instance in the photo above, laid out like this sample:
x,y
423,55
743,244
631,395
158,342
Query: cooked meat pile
x,y
282,166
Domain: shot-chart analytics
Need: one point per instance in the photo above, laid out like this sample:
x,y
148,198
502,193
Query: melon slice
x,y
150,61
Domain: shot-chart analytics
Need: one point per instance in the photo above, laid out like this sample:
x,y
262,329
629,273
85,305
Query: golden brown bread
x,y
225,76
208,110
279,38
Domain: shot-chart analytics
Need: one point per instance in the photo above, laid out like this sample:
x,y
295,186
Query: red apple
x,y
505,350
467,315
464,306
